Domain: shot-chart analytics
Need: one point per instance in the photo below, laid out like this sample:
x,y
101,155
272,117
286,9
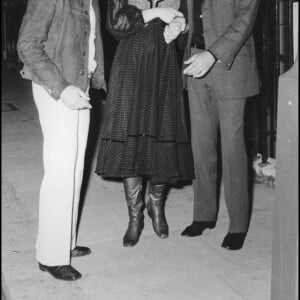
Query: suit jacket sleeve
x,y
227,46
33,33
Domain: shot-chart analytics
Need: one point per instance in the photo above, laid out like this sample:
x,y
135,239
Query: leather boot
x,y
155,207
133,190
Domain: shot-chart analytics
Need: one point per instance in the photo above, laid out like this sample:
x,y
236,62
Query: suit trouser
x,y
65,134
209,113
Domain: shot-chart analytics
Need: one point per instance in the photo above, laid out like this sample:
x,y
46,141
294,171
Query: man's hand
x,y
199,64
74,98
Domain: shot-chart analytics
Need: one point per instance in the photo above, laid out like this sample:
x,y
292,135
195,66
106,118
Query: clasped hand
x,y
173,18
174,28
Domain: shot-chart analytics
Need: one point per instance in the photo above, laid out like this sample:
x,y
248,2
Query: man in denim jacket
x,y
61,47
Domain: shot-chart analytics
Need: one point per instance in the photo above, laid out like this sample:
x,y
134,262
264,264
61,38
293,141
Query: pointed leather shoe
x,y
197,227
80,251
66,272
234,241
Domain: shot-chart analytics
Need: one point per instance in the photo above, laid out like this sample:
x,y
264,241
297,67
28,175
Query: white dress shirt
x,y
92,50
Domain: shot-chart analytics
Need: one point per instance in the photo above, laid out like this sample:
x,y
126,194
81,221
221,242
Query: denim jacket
x,y
54,45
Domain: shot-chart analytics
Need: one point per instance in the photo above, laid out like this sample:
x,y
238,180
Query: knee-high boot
x,y
155,207
133,190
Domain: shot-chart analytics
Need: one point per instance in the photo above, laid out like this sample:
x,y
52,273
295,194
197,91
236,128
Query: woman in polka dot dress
x,y
144,134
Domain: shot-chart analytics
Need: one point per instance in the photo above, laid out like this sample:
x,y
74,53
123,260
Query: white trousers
x,y
65,133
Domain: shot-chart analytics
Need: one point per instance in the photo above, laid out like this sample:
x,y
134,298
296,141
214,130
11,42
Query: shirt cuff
x,y
213,55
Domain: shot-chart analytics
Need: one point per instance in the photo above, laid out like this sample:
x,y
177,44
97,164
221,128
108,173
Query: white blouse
x,y
146,4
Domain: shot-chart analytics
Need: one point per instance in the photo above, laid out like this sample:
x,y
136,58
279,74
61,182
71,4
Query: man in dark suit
x,y
222,73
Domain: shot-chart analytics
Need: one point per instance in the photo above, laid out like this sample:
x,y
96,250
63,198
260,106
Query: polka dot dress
x,y
144,130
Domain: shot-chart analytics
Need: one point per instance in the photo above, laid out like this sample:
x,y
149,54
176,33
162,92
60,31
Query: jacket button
x,y
83,53
81,72
86,12
84,32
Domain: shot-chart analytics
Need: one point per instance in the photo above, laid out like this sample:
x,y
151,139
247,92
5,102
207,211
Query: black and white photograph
x,y
149,149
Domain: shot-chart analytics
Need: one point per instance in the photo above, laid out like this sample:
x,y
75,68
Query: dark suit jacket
x,y
53,44
227,26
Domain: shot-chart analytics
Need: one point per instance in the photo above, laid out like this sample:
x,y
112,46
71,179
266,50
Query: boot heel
x,y
42,268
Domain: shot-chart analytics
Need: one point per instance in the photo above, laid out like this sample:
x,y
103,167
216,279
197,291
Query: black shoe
x,y
66,272
234,241
196,228
80,251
